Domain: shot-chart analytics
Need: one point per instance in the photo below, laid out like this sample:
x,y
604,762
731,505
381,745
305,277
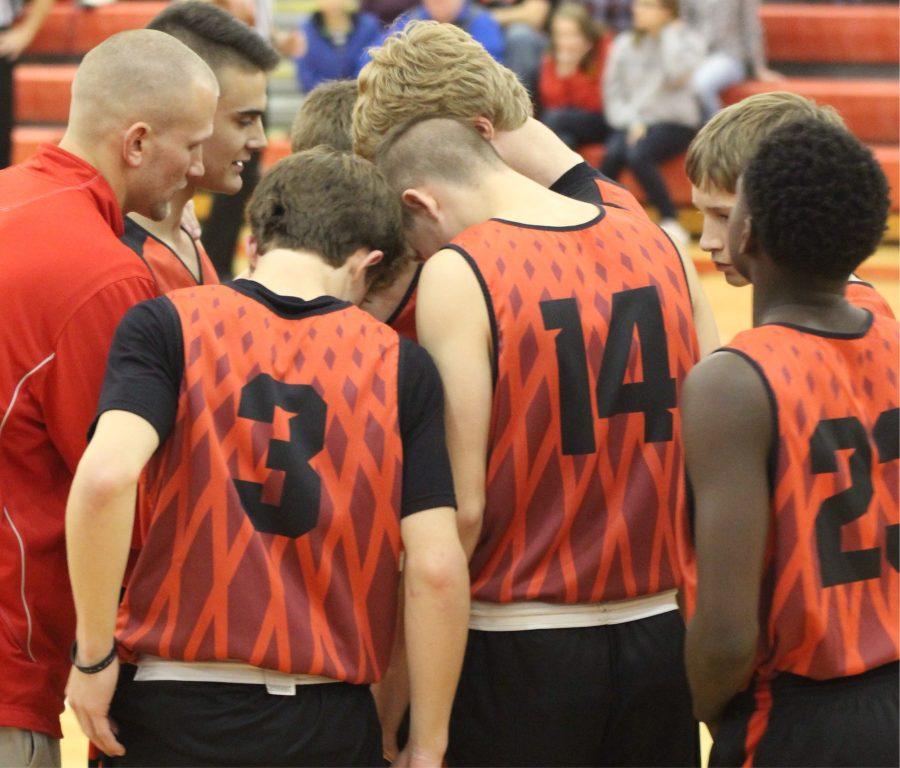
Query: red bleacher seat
x,y
73,30
849,34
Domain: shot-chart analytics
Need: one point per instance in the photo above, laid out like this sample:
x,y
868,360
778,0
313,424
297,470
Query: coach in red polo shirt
x,y
142,103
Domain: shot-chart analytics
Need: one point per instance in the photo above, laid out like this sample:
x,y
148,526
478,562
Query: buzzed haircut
x,y
434,69
330,203
215,36
325,117
435,147
818,199
720,151
137,75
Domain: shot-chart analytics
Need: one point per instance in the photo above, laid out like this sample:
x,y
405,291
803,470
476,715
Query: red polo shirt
x,y
65,282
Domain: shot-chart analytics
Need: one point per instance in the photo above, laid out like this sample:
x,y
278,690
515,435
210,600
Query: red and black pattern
x,y
270,522
865,296
830,587
593,336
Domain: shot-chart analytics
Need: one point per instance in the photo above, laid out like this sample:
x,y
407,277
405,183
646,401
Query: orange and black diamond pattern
x,y
593,337
830,586
270,518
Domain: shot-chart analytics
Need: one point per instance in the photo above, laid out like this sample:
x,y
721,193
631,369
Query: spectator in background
x,y
524,23
735,49
15,36
335,40
649,101
461,13
612,14
569,85
325,117
387,11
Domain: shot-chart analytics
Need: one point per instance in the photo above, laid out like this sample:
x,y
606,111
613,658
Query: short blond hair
x,y
324,117
434,69
723,147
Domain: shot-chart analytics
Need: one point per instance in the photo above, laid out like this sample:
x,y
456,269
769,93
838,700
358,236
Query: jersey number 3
x,y
836,565
638,309
298,511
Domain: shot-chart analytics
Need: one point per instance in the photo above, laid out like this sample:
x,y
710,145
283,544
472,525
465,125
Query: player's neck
x,y
536,152
300,274
819,305
511,197
169,229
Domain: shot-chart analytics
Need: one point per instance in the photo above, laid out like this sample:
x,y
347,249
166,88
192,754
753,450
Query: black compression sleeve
x,y
145,366
427,479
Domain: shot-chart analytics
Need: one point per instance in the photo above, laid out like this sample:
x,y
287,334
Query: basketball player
x,y
293,442
240,59
325,117
717,157
791,433
438,69
562,331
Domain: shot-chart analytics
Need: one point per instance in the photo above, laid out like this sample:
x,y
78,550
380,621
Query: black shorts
x,y
615,695
797,721
235,724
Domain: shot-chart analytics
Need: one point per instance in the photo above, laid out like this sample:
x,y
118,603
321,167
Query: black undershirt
x,y
146,366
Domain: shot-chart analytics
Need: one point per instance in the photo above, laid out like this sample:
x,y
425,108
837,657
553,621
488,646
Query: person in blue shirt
x,y
463,14
335,43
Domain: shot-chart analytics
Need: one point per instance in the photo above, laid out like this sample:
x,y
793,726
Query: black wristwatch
x,y
93,669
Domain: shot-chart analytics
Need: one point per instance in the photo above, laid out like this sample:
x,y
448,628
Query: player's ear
x,y
484,127
420,202
370,259
133,141
748,241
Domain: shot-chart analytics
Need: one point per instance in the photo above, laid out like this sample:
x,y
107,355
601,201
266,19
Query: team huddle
x,y
457,472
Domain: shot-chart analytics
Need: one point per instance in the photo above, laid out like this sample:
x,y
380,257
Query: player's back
x,y
830,587
280,400
592,336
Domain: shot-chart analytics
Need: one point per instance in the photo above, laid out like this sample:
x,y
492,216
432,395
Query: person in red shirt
x,y
142,104
569,86
792,438
240,59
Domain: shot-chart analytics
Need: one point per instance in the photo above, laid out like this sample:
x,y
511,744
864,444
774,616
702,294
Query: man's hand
x,y
14,41
189,221
416,757
90,697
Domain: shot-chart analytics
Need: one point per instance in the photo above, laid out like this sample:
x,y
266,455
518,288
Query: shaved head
x,y
435,149
137,76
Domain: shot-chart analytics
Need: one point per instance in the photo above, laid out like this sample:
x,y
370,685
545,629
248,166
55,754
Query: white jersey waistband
x,y
153,668
525,615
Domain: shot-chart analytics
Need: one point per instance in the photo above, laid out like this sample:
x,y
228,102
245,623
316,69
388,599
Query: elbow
x,y
469,515
102,479
441,571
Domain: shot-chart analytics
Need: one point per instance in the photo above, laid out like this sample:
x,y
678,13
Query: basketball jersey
x,y
865,296
403,319
614,194
829,601
270,522
592,335
169,271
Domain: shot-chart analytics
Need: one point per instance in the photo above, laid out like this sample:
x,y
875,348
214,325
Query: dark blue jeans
x,y
576,126
661,142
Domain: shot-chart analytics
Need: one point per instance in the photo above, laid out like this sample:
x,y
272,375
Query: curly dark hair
x,y
818,198
215,35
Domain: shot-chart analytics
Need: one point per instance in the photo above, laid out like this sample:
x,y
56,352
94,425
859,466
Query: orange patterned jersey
x,y
829,602
270,525
592,337
617,195
403,319
167,268
865,296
